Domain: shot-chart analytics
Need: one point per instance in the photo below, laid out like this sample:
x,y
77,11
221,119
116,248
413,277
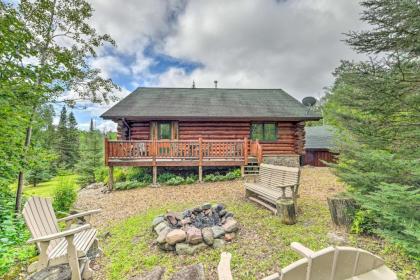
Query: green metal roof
x,y
319,137
209,103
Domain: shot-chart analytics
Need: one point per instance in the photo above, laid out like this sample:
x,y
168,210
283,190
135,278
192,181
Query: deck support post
x,y
200,160
154,169
242,171
200,174
110,178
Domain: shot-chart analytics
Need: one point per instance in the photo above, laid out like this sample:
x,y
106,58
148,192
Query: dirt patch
x,y
316,182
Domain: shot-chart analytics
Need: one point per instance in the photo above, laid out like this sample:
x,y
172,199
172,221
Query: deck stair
x,y
252,168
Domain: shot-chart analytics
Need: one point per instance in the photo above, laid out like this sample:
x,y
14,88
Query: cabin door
x,y
164,130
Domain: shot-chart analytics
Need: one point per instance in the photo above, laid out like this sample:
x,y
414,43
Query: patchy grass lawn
x,y
262,246
46,189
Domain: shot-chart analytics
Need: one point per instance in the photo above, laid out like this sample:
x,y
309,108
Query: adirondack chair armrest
x,y
223,269
301,250
57,235
78,215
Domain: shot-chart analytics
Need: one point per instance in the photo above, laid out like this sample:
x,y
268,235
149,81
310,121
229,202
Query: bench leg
x,y
248,193
87,271
73,259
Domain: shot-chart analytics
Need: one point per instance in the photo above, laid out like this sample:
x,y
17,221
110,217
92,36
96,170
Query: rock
x,y
157,221
173,218
206,206
161,226
196,210
186,221
58,272
218,231
162,235
188,249
335,239
194,235
94,186
229,236
222,212
218,243
228,214
192,272
230,225
207,234
218,208
175,236
207,212
155,274
166,247
187,213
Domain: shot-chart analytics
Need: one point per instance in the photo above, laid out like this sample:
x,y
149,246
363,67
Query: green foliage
x,y
191,179
64,196
13,236
127,185
91,156
395,211
138,174
101,174
67,144
375,105
232,175
363,222
175,181
164,177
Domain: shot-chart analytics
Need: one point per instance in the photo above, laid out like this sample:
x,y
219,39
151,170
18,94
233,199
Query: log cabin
x,y
200,127
320,146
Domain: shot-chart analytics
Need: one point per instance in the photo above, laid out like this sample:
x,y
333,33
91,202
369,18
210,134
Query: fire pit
x,y
195,229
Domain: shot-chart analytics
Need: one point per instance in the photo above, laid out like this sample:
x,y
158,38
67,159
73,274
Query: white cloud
x,y
110,65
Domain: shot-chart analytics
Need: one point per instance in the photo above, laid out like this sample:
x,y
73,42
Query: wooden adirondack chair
x,y
59,247
332,263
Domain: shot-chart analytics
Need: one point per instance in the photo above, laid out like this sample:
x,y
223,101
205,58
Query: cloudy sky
x,y
290,44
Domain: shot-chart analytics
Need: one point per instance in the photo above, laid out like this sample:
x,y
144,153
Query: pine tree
x,y
73,141
91,156
375,104
62,136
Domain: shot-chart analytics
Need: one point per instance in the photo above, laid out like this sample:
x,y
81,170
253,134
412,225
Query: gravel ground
x,y
316,182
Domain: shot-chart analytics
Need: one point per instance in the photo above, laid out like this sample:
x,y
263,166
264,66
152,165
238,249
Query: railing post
x,y
245,146
106,155
200,159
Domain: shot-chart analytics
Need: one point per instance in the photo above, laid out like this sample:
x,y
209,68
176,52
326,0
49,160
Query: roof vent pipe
x,y
193,85
215,84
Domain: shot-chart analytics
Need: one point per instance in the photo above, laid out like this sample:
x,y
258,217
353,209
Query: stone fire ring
x,y
195,229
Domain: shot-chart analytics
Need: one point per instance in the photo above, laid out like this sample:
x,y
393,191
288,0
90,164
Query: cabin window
x,y
264,131
164,130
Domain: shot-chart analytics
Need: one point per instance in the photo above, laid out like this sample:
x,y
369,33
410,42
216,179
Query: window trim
x,y
263,123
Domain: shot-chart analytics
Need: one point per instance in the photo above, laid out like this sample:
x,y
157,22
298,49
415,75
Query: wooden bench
x,y
332,263
274,183
59,247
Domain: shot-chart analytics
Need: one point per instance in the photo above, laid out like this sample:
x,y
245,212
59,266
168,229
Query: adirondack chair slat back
x,y
40,218
277,176
337,263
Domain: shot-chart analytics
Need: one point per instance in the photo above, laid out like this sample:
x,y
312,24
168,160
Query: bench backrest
x,y
278,176
40,219
337,263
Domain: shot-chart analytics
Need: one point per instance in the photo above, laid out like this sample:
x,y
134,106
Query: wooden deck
x,y
199,152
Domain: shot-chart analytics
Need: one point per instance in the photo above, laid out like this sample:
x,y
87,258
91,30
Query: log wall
x,y
291,135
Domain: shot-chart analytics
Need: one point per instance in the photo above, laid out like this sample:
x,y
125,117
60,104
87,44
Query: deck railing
x,y
201,149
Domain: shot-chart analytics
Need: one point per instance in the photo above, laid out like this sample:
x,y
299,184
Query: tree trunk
x,y
287,211
341,210
21,174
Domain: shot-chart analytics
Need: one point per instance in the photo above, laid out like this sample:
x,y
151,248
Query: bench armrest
x,y
57,235
301,250
223,269
87,213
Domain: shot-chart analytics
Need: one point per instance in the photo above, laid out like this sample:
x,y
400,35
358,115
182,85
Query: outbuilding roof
x,y
205,103
319,137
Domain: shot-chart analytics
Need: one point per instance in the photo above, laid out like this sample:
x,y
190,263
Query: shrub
x,y
138,174
101,174
191,179
164,177
234,174
127,185
119,175
65,196
363,222
13,236
175,181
